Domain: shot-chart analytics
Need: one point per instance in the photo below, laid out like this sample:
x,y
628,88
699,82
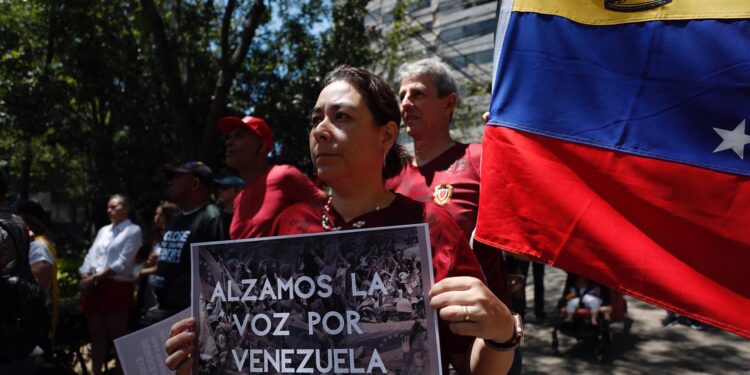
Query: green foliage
x,y
393,46
469,112
67,272
84,108
282,79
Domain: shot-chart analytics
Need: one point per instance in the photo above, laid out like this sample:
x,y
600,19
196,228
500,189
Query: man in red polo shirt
x,y
444,171
269,189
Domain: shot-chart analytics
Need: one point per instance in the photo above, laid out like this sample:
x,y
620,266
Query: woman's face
x,y
345,143
116,211
160,222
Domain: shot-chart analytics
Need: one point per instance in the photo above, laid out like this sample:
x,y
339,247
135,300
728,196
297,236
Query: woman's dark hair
x,y
382,103
34,216
168,209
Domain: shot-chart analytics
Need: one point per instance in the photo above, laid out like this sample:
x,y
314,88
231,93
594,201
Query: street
x,y
648,349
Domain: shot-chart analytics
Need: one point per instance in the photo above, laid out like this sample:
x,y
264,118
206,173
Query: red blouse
x,y
451,254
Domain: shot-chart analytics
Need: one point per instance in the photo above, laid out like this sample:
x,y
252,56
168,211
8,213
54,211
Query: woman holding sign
x,y
353,133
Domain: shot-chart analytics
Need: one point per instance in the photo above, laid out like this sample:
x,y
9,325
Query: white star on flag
x,y
735,139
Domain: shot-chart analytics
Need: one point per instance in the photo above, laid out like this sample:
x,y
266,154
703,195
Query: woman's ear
x,y
390,133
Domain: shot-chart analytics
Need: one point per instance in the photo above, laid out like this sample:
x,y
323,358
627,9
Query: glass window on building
x,y
388,18
460,32
479,58
419,5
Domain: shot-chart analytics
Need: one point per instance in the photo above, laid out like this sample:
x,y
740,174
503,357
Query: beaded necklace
x,y
325,220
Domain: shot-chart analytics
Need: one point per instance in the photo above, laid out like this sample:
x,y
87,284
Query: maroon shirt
x,y
451,180
451,254
262,200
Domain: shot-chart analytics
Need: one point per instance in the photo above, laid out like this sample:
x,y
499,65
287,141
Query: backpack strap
x,y
16,255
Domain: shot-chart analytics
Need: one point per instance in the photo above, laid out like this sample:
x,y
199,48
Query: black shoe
x,y
696,325
669,320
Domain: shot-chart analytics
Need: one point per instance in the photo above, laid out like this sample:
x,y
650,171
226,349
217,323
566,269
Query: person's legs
x,y
593,303
116,325
538,271
571,308
515,266
98,335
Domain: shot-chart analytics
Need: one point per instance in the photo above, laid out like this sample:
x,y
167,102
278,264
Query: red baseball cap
x,y
255,124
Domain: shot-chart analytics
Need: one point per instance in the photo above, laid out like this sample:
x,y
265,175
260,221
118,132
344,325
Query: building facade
x,y
459,33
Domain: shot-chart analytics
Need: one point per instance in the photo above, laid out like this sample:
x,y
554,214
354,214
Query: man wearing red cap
x,y
269,189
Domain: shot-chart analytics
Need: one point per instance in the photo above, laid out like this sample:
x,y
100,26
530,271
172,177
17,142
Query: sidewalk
x,y
648,349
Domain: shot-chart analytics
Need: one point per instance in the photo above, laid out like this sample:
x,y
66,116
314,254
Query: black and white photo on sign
x,y
343,302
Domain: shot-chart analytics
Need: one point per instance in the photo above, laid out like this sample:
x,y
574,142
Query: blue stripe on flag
x,y
656,89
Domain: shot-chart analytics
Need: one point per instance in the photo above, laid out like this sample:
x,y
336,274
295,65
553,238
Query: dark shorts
x,y
108,297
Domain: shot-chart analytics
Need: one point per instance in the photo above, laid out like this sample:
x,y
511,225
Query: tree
x,y
28,78
85,86
177,65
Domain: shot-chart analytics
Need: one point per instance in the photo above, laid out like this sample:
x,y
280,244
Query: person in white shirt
x,y
107,279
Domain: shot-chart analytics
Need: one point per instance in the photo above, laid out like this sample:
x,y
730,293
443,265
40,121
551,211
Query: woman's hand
x,y
152,260
472,309
86,283
180,346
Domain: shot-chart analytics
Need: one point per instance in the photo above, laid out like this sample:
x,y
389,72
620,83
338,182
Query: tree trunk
x,y
229,69
26,166
178,99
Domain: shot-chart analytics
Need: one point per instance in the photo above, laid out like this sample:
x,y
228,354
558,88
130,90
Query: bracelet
x,y
513,342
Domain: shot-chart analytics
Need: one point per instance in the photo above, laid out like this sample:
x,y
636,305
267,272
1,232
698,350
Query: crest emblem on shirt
x,y
442,194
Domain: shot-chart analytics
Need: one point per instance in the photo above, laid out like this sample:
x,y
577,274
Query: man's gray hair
x,y
122,198
440,73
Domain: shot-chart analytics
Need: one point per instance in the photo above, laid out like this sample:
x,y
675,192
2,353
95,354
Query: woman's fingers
x,y
180,346
471,308
465,320
179,341
181,358
454,284
461,298
462,313
182,325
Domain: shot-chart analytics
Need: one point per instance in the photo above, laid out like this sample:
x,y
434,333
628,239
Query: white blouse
x,y
115,247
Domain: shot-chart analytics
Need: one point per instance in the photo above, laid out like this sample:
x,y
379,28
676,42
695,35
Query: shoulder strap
x,y
18,261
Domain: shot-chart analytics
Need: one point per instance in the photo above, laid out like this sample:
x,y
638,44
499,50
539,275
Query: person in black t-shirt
x,y
227,189
198,221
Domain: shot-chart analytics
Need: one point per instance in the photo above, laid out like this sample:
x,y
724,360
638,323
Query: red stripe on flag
x,y
670,234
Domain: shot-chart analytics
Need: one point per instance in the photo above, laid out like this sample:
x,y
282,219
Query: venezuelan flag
x,y
616,148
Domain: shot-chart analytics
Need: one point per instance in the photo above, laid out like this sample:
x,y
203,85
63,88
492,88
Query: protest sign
x,y
142,352
339,302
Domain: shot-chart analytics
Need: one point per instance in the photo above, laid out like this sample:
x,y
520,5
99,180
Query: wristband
x,y
513,342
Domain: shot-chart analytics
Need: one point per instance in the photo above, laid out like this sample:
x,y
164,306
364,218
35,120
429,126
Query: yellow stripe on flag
x,y
592,12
